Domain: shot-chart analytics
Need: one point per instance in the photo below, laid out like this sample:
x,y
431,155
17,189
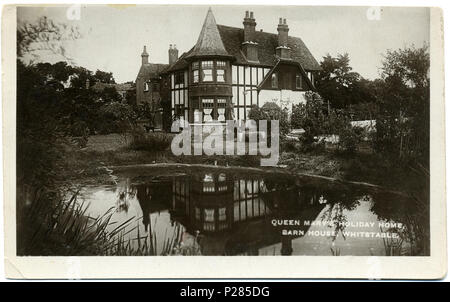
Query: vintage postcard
x,y
170,141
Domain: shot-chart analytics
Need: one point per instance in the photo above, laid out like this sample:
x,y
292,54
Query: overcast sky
x,y
113,36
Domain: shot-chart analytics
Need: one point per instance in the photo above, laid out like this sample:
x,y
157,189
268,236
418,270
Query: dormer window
x,y
298,81
274,80
207,71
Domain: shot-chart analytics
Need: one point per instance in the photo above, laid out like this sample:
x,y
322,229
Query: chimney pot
x,y
249,27
250,47
283,50
173,53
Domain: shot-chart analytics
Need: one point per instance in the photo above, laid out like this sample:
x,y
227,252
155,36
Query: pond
x,y
238,212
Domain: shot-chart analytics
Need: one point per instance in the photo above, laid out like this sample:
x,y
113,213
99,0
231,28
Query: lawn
x,y
93,164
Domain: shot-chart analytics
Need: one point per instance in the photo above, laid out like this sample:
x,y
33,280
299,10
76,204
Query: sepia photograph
x,y
193,130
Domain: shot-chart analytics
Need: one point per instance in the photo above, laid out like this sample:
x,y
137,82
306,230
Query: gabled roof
x,y
151,71
209,42
290,62
233,38
221,40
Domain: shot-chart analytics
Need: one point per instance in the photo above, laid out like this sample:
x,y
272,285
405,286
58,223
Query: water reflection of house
x,y
234,214
216,202
152,197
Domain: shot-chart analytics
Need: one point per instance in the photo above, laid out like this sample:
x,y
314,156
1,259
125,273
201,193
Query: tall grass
x,y
394,247
147,244
64,229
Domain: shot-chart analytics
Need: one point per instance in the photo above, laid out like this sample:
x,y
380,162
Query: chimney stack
x,y
144,56
249,27
283,50
250,47
173,54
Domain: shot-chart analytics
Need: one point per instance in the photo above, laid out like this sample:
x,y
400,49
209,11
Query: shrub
x,y
115,117
141,141
290,145
349,138
271,111
309,117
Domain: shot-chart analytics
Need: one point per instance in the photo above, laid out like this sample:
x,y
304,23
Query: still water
x,y
218,212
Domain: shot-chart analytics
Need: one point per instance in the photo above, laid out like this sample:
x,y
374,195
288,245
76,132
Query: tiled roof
x,y
209,41
179,64
233,37
151,71
221,40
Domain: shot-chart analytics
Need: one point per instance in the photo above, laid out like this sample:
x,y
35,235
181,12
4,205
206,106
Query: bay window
x,y
209,222
220,71
207,71
221,107
220,75
208,108
195,72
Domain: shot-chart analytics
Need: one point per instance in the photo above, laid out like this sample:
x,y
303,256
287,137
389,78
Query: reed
x,y
63,228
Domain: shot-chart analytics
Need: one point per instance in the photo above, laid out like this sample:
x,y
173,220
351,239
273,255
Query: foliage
x,y
104,77
130,97
402,125
340,86
318,122
53,105
155,141
309,117
117,117
349,138
271,111
363,111
63,229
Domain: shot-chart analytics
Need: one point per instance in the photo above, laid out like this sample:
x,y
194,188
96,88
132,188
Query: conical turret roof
x,y
209,42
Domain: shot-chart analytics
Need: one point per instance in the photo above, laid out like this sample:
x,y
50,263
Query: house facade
x,y
228,71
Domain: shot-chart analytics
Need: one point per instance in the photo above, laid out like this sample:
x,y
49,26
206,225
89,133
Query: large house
x,y
227,71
